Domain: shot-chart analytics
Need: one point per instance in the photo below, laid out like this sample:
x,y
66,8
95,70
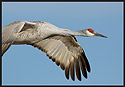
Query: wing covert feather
x,y
10,32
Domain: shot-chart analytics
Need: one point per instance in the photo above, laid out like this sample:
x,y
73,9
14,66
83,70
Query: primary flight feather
x,y
59,44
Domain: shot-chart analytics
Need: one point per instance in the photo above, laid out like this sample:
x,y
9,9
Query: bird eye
x,y
90,30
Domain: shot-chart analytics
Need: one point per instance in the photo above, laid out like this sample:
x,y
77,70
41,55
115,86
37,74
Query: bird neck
x,y
74,33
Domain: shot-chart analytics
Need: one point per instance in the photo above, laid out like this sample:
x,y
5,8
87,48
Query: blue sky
x,y
26,65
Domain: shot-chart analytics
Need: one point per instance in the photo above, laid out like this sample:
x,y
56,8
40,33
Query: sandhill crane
x,y
59,44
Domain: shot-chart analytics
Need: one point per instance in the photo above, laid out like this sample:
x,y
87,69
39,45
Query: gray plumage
x,y
59,44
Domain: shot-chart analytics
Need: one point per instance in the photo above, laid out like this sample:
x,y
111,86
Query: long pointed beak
x,y
97,34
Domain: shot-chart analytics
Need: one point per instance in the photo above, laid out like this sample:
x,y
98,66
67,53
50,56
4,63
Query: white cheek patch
x,y
89,33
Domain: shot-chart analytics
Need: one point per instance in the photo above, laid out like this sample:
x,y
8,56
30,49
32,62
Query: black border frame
x,y
58,1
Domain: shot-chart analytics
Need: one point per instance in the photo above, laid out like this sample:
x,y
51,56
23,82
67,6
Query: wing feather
x,y
78,74
66,52
86,62
10,32
5,47
72,72
83,67
67,71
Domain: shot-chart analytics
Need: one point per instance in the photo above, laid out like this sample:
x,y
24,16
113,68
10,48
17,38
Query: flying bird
x,y
59,44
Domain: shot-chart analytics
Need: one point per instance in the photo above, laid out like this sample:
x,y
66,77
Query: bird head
x,y
91,33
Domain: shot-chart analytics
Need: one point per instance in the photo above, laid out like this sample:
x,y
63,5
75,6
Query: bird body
x,y
59,44
38,31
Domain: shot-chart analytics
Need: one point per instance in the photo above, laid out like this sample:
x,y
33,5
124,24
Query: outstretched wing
x,y
10,32
66,52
